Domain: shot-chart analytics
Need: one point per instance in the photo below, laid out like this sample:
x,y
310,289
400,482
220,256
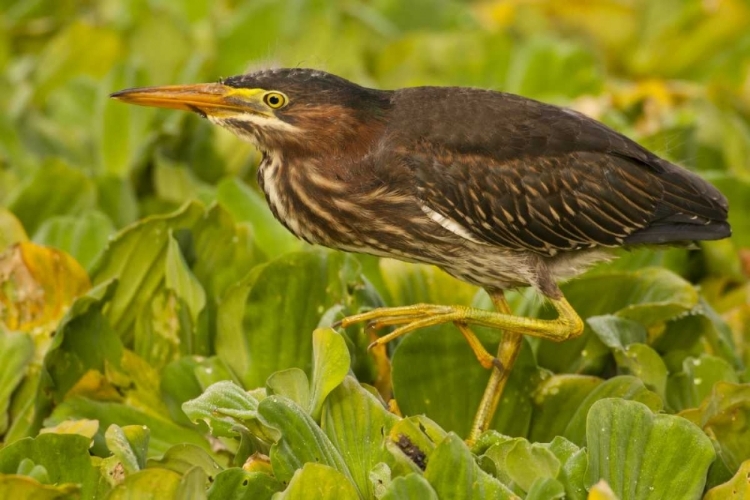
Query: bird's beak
x,y
214,99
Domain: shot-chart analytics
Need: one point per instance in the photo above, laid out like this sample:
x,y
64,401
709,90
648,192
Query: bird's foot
x,y
407,319
421,316
410,318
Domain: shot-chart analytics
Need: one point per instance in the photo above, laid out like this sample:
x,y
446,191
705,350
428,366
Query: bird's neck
x,y
291,196
307,194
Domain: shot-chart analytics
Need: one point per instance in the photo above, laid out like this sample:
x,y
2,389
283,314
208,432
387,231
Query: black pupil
x,y
274,100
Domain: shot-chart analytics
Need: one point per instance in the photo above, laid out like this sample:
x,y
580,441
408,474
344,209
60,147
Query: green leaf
x,y
546,488
180,384
532,468
64,456
16,351
556,402
84,345
265,322
186,378
180,458
224,250
651,296
191,301
291,383
122,132
148,484
702,330
164,330
617,332
193,485
212,370
222,406
573,475
453,473
180,280
356,423
79,49
687,388
164,432
238,484
55,189
38,472
646,456
129,444
83,236
117,199
625,387
409,487
174,182
301,439
525,462
135,257
737,190
247,205
319,481
645,363
536,64
725,416
330,365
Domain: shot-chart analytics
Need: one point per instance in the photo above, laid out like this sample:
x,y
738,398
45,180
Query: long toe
x,y
388,316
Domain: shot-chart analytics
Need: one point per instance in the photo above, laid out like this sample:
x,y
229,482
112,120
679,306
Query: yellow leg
x,y
485,359
567,325
507,352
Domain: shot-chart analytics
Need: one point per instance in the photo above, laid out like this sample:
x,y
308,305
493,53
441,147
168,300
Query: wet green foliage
x,y
161,336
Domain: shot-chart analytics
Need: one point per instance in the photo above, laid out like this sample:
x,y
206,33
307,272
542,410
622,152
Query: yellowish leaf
x,y
16,486
601,491
736,488
37,285
11,229
95,385
84,427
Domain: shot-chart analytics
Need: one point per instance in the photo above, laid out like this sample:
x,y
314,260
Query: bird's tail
x,y
691,209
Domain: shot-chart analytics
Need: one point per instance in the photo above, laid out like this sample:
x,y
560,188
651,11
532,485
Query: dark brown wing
x,y
526,175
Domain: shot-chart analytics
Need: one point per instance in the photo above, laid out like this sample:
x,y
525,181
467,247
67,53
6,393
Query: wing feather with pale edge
x,y
526,175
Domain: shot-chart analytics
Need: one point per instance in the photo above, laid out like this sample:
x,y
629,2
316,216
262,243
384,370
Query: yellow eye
x,y
275,100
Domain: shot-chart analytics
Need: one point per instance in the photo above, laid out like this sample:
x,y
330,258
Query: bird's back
x,y
478,157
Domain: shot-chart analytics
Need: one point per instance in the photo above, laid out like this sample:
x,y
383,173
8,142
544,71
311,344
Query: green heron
x,y
498,190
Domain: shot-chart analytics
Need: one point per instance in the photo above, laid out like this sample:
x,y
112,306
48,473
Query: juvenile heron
x,y
498,190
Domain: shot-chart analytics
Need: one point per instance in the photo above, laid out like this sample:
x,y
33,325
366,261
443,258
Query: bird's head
x,y
291,110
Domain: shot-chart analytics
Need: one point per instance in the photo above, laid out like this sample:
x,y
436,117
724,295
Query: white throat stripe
x,y
262,121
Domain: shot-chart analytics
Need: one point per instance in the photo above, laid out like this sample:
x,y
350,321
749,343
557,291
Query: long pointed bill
x,y
203,98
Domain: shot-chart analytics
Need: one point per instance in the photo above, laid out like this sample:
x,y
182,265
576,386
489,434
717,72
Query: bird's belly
x,y
499,268
493,267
